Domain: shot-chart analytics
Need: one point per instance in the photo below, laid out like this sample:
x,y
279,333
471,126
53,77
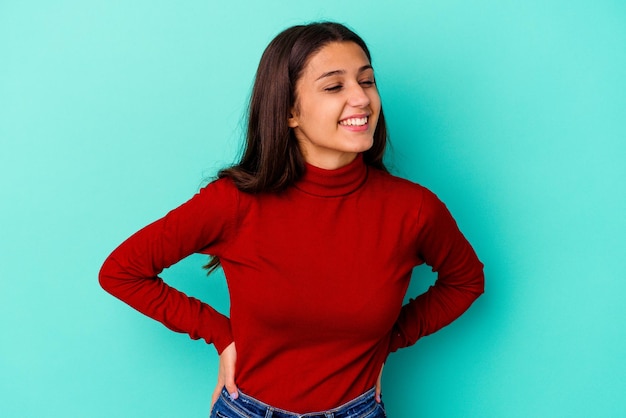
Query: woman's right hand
x,y
226,374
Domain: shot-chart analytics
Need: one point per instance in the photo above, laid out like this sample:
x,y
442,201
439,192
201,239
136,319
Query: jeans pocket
x,y
377,412
223,409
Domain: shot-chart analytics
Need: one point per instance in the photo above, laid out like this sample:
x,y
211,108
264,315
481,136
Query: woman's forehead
x,y
337,58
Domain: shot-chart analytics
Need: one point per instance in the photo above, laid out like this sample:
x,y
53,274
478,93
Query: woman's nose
x,y
357,97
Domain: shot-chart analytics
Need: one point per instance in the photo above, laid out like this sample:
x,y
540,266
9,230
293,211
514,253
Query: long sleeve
x,y
131,272
460,278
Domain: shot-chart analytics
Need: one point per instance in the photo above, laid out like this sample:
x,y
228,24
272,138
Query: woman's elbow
x,y
107,277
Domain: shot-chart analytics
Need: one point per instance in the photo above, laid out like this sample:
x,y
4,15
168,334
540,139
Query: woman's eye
x,y
334,88
338,87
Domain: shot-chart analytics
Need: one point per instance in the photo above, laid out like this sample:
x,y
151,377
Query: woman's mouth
x,y
360,121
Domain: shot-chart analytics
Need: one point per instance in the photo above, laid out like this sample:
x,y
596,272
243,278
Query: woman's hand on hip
x,y
226,374
379,385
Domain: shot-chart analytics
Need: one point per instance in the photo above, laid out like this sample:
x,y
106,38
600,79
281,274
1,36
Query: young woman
x,y
317,242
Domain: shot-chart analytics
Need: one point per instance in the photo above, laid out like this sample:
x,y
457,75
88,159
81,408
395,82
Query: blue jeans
x,y
365,406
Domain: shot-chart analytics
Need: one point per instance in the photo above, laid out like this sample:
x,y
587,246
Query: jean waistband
x,y
357,407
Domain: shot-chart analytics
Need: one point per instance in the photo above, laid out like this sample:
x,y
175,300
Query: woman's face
x,y
337,106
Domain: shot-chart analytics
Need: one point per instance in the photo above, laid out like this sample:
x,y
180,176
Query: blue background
x,y
513,112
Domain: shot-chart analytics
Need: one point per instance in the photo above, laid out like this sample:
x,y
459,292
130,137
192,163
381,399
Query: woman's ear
x,y
292,120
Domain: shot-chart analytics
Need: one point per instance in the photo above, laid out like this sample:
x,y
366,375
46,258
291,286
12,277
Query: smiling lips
x,y
355,123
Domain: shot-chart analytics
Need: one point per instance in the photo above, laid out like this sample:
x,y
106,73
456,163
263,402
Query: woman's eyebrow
x,y
341,72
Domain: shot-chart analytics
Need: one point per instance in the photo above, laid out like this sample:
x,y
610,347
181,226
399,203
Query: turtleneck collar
x,y
332,183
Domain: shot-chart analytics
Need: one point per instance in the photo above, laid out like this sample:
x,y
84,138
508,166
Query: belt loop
x,y
329,414
269,413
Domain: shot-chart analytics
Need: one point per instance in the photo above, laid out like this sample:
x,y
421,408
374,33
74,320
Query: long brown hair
x,y
272,160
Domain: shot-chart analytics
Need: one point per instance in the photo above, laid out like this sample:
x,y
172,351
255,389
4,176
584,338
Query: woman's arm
x,y
460,278
131,272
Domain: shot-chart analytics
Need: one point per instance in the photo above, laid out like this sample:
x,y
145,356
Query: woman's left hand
x,y
379,384
226,374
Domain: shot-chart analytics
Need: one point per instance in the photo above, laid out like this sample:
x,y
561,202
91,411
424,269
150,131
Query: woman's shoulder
x,y
413,198
395,184
402,190
219,192
225,190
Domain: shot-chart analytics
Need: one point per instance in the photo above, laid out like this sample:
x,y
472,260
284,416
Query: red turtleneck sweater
x,y
317,275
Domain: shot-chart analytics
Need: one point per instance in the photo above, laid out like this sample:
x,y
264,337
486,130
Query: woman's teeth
x,y
354,122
